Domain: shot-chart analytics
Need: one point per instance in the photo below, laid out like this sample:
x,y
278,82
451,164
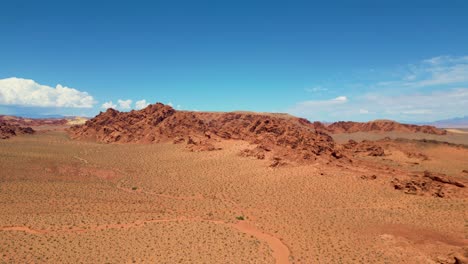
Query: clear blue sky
x,y
353,60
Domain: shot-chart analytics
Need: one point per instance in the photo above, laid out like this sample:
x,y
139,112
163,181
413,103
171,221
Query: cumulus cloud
x,y
141,104
125,104
109,104
25,92
170,104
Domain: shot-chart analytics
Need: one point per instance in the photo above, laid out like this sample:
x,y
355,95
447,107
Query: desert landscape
x,y
159,185
234,132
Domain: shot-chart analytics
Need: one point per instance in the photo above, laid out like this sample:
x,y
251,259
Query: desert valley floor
x,y
85,202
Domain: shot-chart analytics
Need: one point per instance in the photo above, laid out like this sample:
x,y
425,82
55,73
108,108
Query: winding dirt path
x,y
280,250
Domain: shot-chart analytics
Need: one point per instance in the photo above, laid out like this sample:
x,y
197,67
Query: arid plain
x,y
69,198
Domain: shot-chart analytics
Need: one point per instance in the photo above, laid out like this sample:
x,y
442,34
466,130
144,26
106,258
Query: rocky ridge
x,y
377,126
8,130
287,137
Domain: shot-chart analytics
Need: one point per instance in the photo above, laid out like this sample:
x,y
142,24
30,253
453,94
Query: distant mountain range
x,y
458,122
25,121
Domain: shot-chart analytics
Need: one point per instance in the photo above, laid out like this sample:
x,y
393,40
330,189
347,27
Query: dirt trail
x,y
280,250
81,159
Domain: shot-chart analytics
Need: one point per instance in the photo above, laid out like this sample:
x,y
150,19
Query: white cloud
x,y
437,104
427,106
170,104
340,99
315,103
417,112
315,106
441,60
442,70
429,90
125,104
109,104
316,89
25,92
141,104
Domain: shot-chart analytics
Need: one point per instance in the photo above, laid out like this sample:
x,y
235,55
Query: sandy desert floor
x,y
454,136
65,201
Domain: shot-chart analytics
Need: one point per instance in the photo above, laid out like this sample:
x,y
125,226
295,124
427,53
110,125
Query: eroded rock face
x,y
368,147
416,155
8,130
289,137
439,177
419,187
377,126
429,183
259,152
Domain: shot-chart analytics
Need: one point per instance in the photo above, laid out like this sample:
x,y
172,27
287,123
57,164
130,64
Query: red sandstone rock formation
x,y
289,137
429,183
377,126
8,130
368,147
383,126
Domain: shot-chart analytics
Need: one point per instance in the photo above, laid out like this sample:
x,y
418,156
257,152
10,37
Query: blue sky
x,y
343,60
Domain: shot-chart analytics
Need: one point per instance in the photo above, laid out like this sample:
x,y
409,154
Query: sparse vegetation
x,y
317,218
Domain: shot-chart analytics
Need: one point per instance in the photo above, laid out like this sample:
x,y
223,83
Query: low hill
x,y
24,121
8,130
286,136
377,126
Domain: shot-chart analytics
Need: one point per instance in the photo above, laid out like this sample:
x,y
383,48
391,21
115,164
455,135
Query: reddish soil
x,y
280,252
64,200
267,188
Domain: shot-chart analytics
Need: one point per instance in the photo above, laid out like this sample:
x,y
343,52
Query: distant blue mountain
x,y
31,115
458,122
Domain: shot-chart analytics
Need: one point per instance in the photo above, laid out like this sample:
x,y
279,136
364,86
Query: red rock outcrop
x,y
429,183
259,152
377,126
8,130
370,148
289,137
439,177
